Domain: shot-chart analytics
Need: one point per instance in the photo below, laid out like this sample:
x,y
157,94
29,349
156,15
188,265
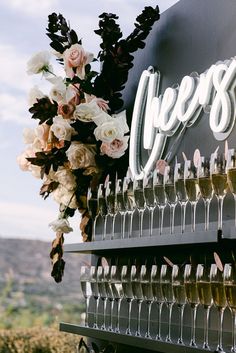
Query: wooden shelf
x,y
139,342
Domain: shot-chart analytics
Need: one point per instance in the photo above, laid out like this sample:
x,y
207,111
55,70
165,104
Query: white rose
x,y
39,62
34,94
116,148
86,111
58,90
37,145
61,225
66,178
35,171
62,129
79,156
28,135
64,196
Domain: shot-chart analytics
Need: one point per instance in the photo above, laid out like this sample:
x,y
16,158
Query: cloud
x,y
31,7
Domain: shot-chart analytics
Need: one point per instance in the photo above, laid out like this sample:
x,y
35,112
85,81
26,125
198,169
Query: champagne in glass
x,y
171,196
158,296
137,292
102,208
179,295
149,199
95,292
160,196
140,202
92,204
118,292
181,192
148,296
128,292
231,176
128,194
85,282
102,290
121,205
219,299
205,298
110,197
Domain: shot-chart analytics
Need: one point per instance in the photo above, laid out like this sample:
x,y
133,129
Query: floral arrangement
x,y
82,132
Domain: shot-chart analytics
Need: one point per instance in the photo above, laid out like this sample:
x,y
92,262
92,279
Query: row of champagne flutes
x,y
202,284
184,183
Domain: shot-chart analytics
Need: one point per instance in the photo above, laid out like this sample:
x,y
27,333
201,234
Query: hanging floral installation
x,y
82,133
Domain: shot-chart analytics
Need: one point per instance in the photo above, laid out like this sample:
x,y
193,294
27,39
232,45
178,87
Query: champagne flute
x,y
192,189
102,208
179,295
181,192
121,205
169,187
128,292
219,299
110,197
230,292
109,293
102,293
205,186
137,292
92,204
85,282
149,199
219,183
160,196
118,292
94,288
205,298
192,297
231,176
140,202
128,194
167,292
145,277
158,296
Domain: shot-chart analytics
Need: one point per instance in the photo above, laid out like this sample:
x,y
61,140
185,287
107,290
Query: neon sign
x,y
160,117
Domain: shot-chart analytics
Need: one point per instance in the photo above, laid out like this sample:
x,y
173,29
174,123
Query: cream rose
x,y
58,90
80,156
42,133
35,171
64,196
34,94
39,62
62,129
61,225
86,111
76,57
66,178
116,148
23,163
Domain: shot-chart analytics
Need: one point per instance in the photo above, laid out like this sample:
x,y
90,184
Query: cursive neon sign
x,y
160,117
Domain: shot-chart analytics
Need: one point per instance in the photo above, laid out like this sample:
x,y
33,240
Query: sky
x,y
23,213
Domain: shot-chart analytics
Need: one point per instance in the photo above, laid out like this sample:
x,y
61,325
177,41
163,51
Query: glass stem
x,y
123,215
233,348
141,212
103,327
128,331
111,312
161,219
168,338
149,306
105,228
221,316
183,214
172,218
131,224
117,329
139,302
95,325
159,308
220,212
94,229
86,314
193,215
206,328
151,213
181,315
193,326
207,211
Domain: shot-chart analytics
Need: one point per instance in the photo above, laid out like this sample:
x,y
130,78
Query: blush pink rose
x,y
76,57
23,163
66,109
42,132
116,148
160,166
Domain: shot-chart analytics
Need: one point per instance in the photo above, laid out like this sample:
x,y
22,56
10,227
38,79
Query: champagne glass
x,y
160,196
109,293
94,288
137,292
158,296
128,292
110,197
167,292
140,202
219,299
171,196
205,298
128,194
181,192
230,292
118,292
192,189
121,205
92,204
149,199
179,295
145,277
192,297
231,176
102,293
102,208
219,183
205,186
85,282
